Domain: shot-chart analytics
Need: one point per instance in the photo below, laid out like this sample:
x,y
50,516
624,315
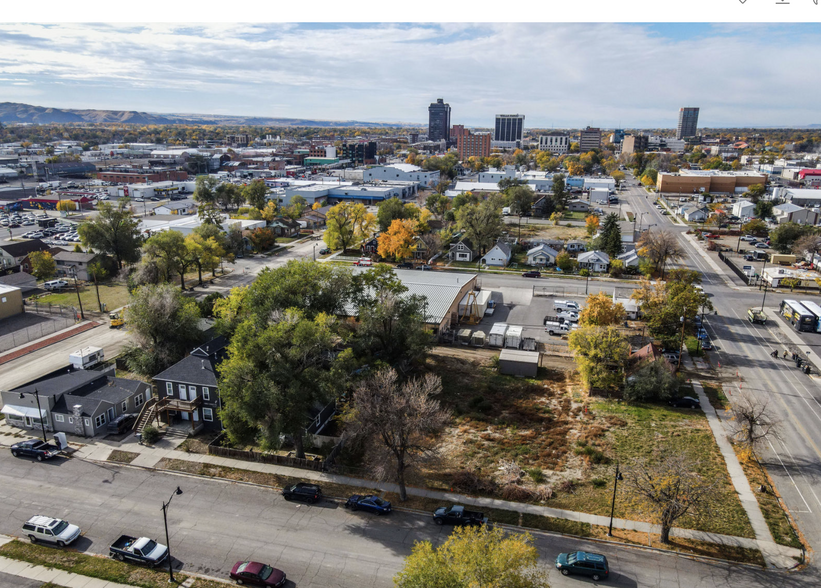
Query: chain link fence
x,y
58,318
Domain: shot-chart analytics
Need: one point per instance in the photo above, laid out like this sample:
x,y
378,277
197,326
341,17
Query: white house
x,y
595,261
499,255
744,209
695,214
541,255
176,208
629,258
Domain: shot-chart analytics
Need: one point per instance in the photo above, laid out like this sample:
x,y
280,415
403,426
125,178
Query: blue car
x,y
370,503
702,334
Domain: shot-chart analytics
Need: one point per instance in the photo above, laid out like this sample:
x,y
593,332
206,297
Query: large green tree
x,y
114,231
169,250
274,375
164,326
559,192
205,189
43,265
609,239
600,354
785,235
482,223
391,210
255,194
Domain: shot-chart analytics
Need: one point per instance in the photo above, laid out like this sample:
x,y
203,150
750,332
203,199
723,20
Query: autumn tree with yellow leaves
x,y
398,240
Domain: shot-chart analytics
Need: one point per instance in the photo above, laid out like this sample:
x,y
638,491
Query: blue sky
x,y
559,75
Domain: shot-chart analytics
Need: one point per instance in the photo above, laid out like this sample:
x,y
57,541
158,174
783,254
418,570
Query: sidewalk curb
x,y
425,513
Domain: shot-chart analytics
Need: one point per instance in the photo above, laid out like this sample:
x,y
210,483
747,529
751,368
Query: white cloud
x,y
563,75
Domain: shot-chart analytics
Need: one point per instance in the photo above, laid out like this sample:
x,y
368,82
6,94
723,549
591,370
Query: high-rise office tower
x,y
439,121
687,123
509,127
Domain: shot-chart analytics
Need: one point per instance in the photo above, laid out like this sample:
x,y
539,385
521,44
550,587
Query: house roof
x,y
504,247
593,256
466,242
542,248
787,207
75,257
628,255
23,248
191,370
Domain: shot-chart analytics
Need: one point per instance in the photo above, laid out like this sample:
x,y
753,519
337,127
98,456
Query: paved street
x,y
794,462
215,523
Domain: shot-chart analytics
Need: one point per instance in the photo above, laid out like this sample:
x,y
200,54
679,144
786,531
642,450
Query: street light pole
x,y
681,344
39,412
77,289
613,506
167,541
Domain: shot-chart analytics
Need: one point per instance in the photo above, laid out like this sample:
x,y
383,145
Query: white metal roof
x,y
498,329
519,356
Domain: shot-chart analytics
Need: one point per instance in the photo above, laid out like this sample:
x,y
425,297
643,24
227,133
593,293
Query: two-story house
x,y
70,261
12,254
463,250
188,389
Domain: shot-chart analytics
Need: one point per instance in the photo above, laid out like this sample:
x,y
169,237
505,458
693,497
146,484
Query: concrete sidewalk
x,y
779,556
776,556
45,574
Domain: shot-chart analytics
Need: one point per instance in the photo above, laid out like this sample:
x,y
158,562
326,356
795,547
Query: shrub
x,y
516,493
536,474
543,493
568,487
150,435
653,381
471,482
243,210
481,404
599,483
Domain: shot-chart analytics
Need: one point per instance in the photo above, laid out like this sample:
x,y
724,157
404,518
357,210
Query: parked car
x,y
762,245
424,267
34,448
370,503
457,515
257,574
532,274
702,334
325,251
748,238
55,285
40,528
404,265
138,550
685,402
706,345
303,491
122,423
671,357
583,564
568,315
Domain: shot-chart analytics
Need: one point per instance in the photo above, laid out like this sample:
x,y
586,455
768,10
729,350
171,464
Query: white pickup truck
x,y
558,326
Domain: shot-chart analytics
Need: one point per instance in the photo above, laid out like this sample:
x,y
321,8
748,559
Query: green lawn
x,y
111,294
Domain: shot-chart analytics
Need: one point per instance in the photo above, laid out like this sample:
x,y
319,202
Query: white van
x,y
566,305
55,285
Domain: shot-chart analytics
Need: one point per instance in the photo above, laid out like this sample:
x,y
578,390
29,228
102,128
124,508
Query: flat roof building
x,y
589,138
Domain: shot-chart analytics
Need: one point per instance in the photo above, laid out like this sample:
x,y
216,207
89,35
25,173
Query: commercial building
x,y
470,144
142,178
11,301
617,136
439,121
509,127
589,138
687,123
401,172
363,153
556,143
714,182
239,140
633,144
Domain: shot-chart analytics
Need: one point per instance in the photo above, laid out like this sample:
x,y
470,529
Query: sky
x,y
609,75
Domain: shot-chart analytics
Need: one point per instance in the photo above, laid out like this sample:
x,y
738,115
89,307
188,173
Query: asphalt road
x,y
215,523
794,460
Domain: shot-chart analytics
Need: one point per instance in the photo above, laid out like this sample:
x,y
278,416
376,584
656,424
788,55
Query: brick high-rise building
x,y
687,123
439,120
589,138
470,144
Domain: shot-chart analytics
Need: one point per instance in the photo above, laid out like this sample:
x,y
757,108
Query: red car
x,y
532,274
258,574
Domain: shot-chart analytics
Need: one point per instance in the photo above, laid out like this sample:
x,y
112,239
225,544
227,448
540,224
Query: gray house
x,y
69,261
595,261
541,255
79,403
188,389
462,251
578,206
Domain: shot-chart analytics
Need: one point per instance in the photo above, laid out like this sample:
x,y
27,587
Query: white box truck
x,y
496,338
513,337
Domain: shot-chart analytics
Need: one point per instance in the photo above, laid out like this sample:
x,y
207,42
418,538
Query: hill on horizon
x,y
15,112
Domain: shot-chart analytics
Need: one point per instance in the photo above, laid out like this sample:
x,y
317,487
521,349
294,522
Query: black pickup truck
x,y
139,550
457,515
35,448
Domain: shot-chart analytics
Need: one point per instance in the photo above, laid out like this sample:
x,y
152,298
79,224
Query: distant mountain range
x,y
13,112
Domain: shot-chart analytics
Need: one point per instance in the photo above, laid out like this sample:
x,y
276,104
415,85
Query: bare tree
x,y
668,488
752,422
403,418
808,244
660,247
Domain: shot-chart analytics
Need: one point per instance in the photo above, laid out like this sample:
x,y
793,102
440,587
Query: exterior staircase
x,y
147,414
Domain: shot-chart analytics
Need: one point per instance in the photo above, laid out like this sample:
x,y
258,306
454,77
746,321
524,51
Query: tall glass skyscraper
x,y
687,123
439,121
